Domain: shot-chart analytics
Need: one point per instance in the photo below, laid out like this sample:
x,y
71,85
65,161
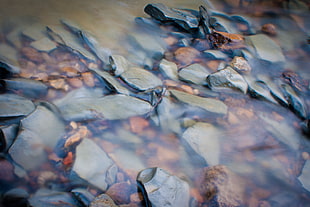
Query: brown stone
x,y
240,65
186,55
103,200
59,84
138,124
70,71
269,29
75,82
220,186
120,192
32,54
136,197
88,79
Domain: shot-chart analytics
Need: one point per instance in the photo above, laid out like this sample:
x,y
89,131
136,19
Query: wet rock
x,y
205,19
183,18
103,200
32,54
240,65
296,81
222,187
8,58
226,41
44,44
208,104
34,31
186,55
223,23
28,87
296,103
29,148
15,197
266,49
227,78
100,170
162,188
214,55
120,192
204,139
304,178
141,79
269,29
51,198
169,68
119,64
194,73
83,196
7,136
7,171
14,106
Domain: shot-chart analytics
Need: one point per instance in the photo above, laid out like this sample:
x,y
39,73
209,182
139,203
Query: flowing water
x,y
264,142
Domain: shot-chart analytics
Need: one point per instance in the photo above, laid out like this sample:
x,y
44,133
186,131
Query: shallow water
x,y
262,142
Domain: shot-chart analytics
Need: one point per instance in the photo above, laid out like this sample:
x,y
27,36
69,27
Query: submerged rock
x,y
119,64
163,189
240,65
208,104
40,130
9,58
194,73
93,165
169,68
103,200
7,136
13,105
204,139
141,79
163,13
221,187
304,178
15,197
82,196
227,78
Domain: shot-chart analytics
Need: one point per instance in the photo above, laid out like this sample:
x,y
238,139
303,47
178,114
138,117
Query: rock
x,y
221,187
227,78
163,189
205,20
214,55
223,23
163,13
169,68
194,73
119,64
28,150
240,65
269,29
7,171
7,136
186,55
266,49
120,192
13,106
51,198
9,58
208,104
304,178
83,196
32,54
15,197
204,139
103,200
44,44
141,79
93,165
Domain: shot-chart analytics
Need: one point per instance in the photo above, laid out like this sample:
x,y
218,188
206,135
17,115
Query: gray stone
x,y
164,189
44,44
7,136
215,55
29,148
304,178
267,49
9,58
240,65
194,73
119,64
208,104
141,79
169,68
51,198
204,139
93,165
103,200
13,105
227,78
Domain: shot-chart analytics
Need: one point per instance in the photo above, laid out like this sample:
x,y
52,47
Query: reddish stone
x,y
269,29
7,170
120,193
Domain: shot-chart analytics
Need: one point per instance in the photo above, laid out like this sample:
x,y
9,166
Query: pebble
x,y
240,65
269,29
186,55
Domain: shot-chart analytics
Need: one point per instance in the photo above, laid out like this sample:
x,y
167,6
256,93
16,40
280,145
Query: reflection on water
x,y
100,123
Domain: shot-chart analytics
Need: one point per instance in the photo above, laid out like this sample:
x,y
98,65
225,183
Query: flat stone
x,y
119,64
103,200
208,104
93,165
163,189
13,105
203,138
51,198
9,58
169,68
44,44
194,73
304,178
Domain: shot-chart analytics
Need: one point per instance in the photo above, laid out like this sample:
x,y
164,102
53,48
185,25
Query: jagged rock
x,y
163,189
227,78
93,165
163,13
222,187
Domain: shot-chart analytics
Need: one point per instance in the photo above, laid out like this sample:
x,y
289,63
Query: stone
x,y
304,178
51,198
44,44
240,64
194,73
227,78
9,58
186,55
163,189
204,139
170,69
269,29
214,55
13,106
163,13
119,64
120,192
222,187
103,200
208,104
93,165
